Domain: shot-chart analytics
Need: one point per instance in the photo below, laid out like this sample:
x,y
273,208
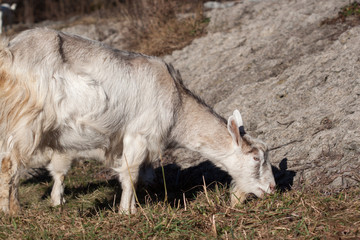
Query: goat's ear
x,y
240,123
236,127
238,118
234,130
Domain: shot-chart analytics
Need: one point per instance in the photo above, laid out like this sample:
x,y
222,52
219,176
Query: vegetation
x,y
157,27
162,26
348,15
92,201
352,9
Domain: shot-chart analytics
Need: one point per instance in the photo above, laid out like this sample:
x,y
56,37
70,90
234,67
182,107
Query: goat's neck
x,y
198,129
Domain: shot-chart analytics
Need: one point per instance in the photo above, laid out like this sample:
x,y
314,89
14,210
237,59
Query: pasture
x,y
190,212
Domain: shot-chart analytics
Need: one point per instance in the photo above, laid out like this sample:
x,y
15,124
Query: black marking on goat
x,y
242,131
61,48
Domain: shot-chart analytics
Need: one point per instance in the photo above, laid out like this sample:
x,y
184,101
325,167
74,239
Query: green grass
x,y
91,213
348,15
352,9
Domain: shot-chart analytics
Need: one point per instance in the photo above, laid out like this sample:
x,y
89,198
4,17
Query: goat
x,y
67,93
6,15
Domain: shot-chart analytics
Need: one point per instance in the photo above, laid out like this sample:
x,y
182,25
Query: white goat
x,y
67,93
6,15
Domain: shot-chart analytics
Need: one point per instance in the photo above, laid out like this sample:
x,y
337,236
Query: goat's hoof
x,y
14,209
57,202
127,211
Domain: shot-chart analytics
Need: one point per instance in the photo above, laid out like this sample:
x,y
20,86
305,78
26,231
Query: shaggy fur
x,y
66,93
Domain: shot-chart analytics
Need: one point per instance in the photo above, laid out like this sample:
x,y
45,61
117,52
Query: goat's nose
x,y
272,187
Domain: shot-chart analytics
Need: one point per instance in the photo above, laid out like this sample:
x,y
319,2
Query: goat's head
x,y
251,170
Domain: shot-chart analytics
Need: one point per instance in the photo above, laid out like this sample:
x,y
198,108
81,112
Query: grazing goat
x,y
67,93
6,15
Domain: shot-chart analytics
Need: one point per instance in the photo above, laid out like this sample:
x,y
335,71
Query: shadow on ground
x,y
284,178
179,182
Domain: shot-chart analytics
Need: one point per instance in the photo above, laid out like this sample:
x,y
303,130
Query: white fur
x,y
70,94
238,118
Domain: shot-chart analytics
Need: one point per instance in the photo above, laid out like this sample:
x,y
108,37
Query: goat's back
x,y
88,94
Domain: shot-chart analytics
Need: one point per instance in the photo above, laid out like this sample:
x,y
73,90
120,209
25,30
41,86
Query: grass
x,y
348,15
159,27
92,201
352,9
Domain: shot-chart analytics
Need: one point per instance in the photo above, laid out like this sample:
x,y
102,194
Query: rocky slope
x,y
295,80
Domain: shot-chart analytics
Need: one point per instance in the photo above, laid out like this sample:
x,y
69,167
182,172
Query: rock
x,y
110,32
295,80
213,4
88,31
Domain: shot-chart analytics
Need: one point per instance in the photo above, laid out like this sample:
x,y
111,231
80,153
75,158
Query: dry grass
x,y
91,213
153,27
348,15
162,26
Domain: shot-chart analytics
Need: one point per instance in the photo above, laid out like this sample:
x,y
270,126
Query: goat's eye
x,y
256,159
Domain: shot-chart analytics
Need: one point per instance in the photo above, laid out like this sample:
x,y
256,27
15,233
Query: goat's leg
x,y
9,182
14,196
58,168
5,179
134,154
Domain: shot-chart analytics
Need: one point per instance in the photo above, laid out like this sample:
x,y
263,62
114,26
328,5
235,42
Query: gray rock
x,y
113,33
214,5
295,81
